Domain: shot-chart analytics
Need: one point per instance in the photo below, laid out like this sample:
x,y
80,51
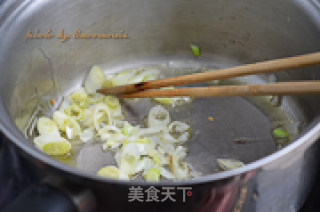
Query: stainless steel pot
x,y
33,71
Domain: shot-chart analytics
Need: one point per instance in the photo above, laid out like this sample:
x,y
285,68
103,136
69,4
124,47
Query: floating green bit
x,y
280,133
195,50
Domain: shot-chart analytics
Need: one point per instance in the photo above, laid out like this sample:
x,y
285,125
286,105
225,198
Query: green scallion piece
x,y
195,50
280,133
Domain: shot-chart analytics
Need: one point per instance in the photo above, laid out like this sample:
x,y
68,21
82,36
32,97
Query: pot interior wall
x,y
228,32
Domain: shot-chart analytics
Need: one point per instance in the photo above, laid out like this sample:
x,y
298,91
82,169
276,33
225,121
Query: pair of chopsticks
x,y
140,90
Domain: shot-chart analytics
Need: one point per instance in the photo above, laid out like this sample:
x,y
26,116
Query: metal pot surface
x,y
43,57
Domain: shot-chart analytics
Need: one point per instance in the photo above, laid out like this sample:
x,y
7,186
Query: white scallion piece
x,y
94,79
47,126
52,144
158,116
67,124
101,114
87,135
229,164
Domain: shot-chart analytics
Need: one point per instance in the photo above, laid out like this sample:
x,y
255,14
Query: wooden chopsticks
x,y
279,88
286,88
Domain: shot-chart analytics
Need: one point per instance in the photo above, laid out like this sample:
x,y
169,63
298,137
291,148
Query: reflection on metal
x,y
242,197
